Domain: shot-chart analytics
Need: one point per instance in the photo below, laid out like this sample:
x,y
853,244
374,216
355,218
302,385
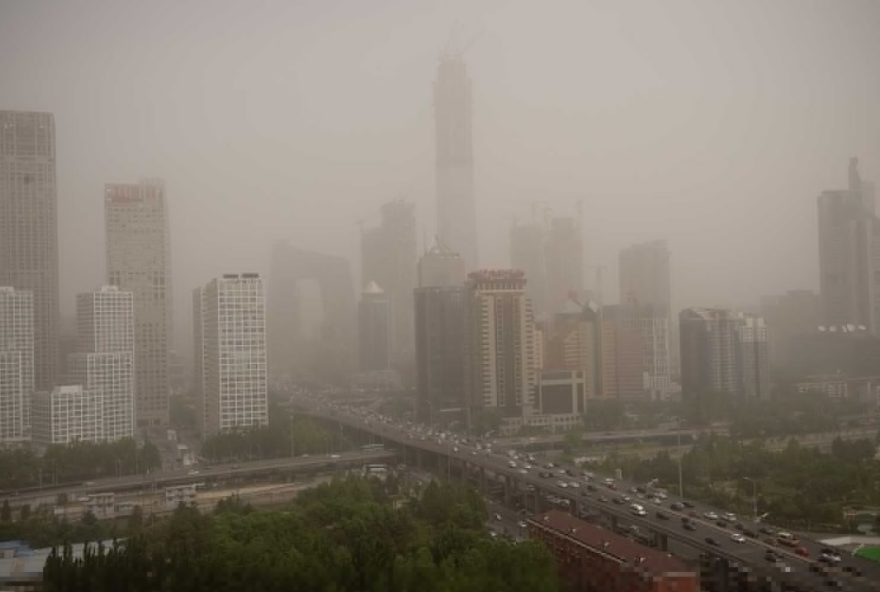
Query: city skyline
x,y
796,157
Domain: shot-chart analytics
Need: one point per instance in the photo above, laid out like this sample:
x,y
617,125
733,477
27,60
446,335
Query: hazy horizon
x,y
714,126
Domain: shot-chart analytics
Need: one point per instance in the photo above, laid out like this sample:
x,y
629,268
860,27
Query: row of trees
x,y
282,437
20,468
799,486
346,535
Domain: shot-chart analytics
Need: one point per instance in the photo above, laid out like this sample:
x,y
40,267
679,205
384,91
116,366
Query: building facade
x,y
849,254
754,357
501,354
440,266
527,253
456,211
564,262
105,361
388,257
29,227
16,364
790,317
139,261
230,353
374,330
68,414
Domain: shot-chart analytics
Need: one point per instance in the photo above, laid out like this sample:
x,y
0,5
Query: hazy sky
x,y
714,124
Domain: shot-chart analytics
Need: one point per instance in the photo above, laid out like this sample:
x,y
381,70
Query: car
x,y
619,500
767,530
711,541
729,516
677,506
721,523
524,471
739,526
521,524
770,541
662,515
336,456
750,533
193,472
602,499
627,499
737,538
562,484
689,526
710,515
687,504
592,487
574,484
770,556
829,558
498,517
802,551
511,464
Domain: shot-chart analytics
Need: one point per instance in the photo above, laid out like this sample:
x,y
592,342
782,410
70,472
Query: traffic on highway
x,y
748,542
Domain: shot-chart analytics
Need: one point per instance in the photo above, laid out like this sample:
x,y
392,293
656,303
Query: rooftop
x,y
621,548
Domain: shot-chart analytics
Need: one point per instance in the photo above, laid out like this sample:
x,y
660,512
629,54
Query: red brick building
x,y
592,559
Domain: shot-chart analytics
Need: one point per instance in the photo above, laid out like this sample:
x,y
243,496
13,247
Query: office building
x,y
29,227
849,255
230,353
68,414
139,261
527,253
644,281
572,342
501,355
374,330
754,359
441,333
723,353
388,257
16,364
592,559
623,353
440,266
312,314
456,211
790,317
104,361
560,402
564,262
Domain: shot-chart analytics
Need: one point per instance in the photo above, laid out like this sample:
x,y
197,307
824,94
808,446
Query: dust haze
x,y
713,125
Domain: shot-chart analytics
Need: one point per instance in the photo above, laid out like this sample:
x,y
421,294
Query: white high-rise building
x,y
502,356
29,228
139,261
16,363
104,364
68,414
230,352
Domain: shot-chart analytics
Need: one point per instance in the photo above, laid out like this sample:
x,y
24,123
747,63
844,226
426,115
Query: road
x,y
201,474
751,553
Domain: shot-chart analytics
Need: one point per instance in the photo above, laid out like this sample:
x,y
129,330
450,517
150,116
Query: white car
x,y
562,484
574,484
710,516
737,538
729,516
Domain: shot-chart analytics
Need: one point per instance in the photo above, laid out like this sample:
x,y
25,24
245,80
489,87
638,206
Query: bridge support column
x,y
661,541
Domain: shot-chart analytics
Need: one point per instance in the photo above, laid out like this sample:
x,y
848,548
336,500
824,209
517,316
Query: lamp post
x,y
680,479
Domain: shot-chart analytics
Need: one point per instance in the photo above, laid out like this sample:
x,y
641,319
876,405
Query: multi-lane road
x,y
806,572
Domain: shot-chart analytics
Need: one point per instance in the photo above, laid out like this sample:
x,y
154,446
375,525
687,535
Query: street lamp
x,y
754,497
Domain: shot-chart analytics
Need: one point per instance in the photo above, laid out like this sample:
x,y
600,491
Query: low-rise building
x,y
593,559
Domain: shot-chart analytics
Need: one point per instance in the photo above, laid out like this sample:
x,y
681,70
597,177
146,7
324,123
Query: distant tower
x,y
564,262
229,324
388,257
440,266
16,363
456,212
374,330
139,261
527,254
29,227
849,254
104,362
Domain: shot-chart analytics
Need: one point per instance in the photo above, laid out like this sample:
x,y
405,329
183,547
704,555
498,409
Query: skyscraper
x,y
104,362
564,261
68,413
722,353
29,227
388,257
230,352
16,363
501,354
440,266
644,275
456,211
573,343
374,328
312,316
139,261
849,254
527,254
